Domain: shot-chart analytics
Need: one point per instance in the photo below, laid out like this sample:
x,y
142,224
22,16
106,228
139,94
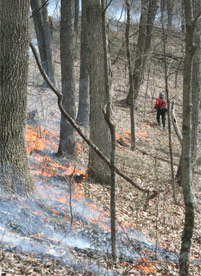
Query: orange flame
x,y
146,266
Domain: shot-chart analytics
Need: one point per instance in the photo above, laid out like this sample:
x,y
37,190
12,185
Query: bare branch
x,y
74,125
36,11
107,6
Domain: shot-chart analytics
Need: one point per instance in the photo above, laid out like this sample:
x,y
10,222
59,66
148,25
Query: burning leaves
x,y
144,265
39,143
124,139
46,229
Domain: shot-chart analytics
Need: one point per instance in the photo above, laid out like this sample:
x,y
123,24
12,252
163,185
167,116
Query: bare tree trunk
x,y
67,143
170,9
48,40
196,92
148,13
150,193
43,37
99,130
111,125
131,88
164,41
139,57
187,144
153,7
83,108
196,82
35,6
76,23
14,41
183,27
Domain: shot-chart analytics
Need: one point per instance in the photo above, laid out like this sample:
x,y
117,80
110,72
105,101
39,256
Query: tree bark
x,y
196,92
67,143
196,82
187,144
183,27
43,35
48,41
150,193
131,88
148,13
164,41
14,40
99,131
108,118
83,108
170,9
76,23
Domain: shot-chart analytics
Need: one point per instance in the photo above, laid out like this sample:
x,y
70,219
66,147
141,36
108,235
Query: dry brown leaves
x,y
162,219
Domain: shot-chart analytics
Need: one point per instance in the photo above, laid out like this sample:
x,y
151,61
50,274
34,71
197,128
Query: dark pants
x,y
161,113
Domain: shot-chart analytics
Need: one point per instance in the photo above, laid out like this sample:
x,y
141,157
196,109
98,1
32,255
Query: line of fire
x,y
67,224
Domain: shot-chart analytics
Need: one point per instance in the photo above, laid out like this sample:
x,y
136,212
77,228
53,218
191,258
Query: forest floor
x,y
149,166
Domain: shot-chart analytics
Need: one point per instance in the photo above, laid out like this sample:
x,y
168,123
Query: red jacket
x,y
159,103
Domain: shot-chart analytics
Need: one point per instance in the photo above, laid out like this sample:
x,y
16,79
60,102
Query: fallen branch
x,y
74,125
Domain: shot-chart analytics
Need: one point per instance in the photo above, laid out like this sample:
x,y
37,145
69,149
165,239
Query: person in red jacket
x,y
160,106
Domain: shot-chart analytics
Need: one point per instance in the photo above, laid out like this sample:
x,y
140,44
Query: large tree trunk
x,y
148,13
196,92
14,41
196,82
83,109
187,144
67,144
40,18
99,131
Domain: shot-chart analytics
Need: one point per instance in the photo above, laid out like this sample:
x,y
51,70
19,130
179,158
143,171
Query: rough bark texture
x,y
187,145
76,23
83,108
131,89
99,131
14,41
35,6
153,7
196,90
67,144
108,118
48,41
196,82
43,35
148,13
